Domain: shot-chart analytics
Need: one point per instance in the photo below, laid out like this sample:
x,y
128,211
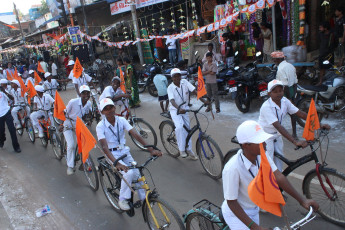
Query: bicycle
x,y
211,160
322,184
88,167
95,111
157,213
205,216
25,123
62,76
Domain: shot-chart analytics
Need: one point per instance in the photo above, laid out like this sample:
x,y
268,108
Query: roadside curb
x,y
5,222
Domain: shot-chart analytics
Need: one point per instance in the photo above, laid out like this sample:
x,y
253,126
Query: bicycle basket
x,y
208,210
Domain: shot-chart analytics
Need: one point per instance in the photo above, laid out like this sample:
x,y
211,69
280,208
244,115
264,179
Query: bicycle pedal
x,y
137,204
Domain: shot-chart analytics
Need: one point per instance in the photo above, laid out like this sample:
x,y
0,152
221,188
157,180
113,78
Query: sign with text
x,y
75,35
122,6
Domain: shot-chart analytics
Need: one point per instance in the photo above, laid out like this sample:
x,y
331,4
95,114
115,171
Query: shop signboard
x,y
123,6
75,35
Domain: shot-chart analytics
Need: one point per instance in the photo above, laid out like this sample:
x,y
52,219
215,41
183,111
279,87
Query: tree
x,y
44,8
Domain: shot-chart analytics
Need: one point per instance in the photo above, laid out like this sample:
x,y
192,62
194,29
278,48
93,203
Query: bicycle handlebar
x,y
305,219
120,158
323,132
190,110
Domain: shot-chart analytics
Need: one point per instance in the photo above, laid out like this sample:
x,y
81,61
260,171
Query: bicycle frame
x,y
45,124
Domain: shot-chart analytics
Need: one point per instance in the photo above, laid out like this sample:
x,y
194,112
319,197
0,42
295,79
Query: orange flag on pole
x,y
312,123
22,85
263,190
37,78
122,84
85,140
9,76
31,91
15,74
201,84
77,69
39,68
59,107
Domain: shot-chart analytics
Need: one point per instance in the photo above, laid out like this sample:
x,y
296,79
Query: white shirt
x,y
270,112
45,102
30,79
51,87
82,80
110,93
75,109
216,57
286,73
54,69
4,107
114,135
180,94
3,76
17,94
237,174
172,41
44,66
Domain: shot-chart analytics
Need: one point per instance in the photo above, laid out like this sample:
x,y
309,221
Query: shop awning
x,y
51,20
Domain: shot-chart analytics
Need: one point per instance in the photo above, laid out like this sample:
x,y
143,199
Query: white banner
x,y
121,6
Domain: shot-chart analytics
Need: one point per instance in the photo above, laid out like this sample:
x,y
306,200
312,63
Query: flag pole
x,y
285,217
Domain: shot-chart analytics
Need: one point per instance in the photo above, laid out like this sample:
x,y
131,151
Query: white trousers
x,y
236,224
15,115
181,133
34,118
71,144
275,145
129,176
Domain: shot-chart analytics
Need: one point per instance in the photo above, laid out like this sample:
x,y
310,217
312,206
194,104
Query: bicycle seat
x,y
316,88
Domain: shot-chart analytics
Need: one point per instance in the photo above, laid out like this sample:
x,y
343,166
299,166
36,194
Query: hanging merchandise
x,y
295,22
194,14
173,22
182,17
153,24
288,23
162,23
301,22
258,16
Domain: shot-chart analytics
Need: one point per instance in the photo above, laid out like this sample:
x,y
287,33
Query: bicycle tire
x,y
242,101
63,145
90,169
56,144
168,138
111,187
311,186
196,221
177,224
152,89
44,140
229,154
20,131
207,158
30,130
138,125
303,105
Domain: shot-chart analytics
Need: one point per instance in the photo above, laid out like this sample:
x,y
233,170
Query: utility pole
x,y
20,26
136,29
274,33
87,28
70,14
62,5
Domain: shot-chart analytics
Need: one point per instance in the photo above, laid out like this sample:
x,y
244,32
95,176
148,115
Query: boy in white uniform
x,y
84,79
30,78
50,85
111,135
43,103
77,107
272,113
239,212
178,93
18,102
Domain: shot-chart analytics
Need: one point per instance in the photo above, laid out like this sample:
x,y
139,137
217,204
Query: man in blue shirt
x,y
161,83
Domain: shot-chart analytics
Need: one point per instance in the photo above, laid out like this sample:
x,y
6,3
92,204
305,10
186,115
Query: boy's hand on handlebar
x,y
182,111
325,126
121,167
156,153
307,203
302,144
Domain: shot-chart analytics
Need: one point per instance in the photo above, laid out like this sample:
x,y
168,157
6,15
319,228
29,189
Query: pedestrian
x,y
131,84
32,65
257,35
84,79
161,83
6,117
50,85
229,50
30,78
178,93
159,46
209,71
171,43
266,35
65,63
19,102
9,70
111,135
272,114
25,74
239,212
53,68
2,75
121,66
43,64
216,57
340,31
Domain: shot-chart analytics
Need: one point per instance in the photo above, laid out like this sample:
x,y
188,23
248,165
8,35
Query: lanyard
x,y
82,80
118,131
44,99
250,171
181,96
281,117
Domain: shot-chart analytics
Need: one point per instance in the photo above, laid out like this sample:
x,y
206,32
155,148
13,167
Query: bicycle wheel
x,y
168,138
56,144
63,145
30,130
196,221
146,131
44,140
111,185
20,131
210,156
91,173
170,220
229,154
333,209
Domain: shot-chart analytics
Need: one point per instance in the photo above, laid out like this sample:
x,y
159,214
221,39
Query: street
x,y
33,178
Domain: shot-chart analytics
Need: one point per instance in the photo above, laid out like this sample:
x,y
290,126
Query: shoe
x,y
18,126
183,154
40,134
217,110
123,204
18,150
207,110
192,155
70,171
36,131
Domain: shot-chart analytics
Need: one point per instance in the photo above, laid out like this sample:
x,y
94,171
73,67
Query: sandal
x,y
217,110
207,110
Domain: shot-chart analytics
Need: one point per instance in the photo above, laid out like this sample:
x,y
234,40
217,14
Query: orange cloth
x,y
201,84
312,123
59,107
77,69
37,78
9,76
122,84
22,85
85,140
31,91
263,190
39,68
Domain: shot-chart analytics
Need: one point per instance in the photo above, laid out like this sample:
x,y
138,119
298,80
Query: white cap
x,y
251,132
16,82
1,68
47,74
19,74
83,88
3,81
31,71
39,88
116,78
175,71
272,84
71,62
104,102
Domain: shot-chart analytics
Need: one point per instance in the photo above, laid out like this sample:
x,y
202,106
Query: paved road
x,y
34,178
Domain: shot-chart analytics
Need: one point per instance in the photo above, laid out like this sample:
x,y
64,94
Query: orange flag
x,y
85,140
15,74
312,123
77,69
31,91
39,68
37,78
201,84
22,85
122,84
59,107
263,190
9,76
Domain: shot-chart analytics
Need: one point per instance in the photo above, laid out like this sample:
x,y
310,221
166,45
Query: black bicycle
x,y
210,155
322,184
